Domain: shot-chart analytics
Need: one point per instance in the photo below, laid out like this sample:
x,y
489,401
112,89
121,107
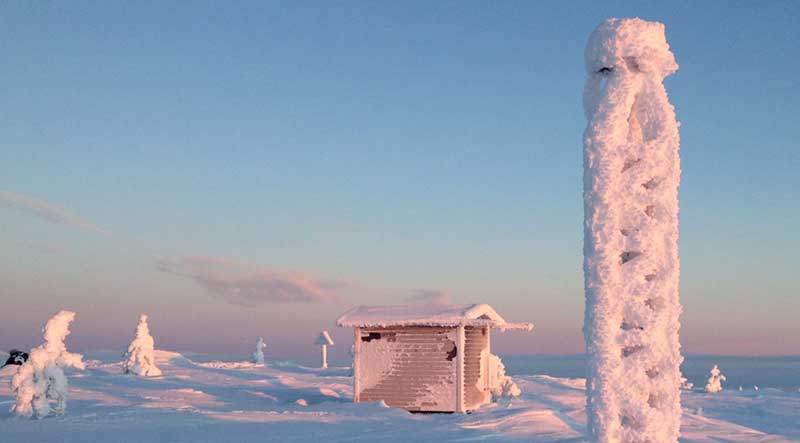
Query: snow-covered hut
x,y
432,358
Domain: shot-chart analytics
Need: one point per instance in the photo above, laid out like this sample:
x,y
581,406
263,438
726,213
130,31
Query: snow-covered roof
x,y
427,315
324,339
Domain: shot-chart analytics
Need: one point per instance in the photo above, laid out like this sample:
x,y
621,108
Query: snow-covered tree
x,y
41,380
258,356
139,359
686,385
715,379
631,266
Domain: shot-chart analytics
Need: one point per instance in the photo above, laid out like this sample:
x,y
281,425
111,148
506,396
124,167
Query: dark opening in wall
x,y
371,336
453,352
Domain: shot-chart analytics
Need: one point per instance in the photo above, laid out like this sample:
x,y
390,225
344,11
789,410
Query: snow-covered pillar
x,y
324,340
631,177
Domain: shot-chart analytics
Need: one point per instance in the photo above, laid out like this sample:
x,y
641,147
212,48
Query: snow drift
x,y
139,359
41,379
631,266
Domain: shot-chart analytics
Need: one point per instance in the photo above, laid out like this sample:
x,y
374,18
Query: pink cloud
x,y
249,285
47,211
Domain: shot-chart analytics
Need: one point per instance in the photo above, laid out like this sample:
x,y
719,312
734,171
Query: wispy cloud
x,y
47,211
429,297
249,285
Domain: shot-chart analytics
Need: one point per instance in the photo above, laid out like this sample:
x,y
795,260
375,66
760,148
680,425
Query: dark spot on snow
x,y
630,163
16,357
605,70
625,326
630,350
651,184
627,256
629,422
632,64
654,303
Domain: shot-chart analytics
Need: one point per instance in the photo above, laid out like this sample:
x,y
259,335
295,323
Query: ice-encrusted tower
x,y
631,267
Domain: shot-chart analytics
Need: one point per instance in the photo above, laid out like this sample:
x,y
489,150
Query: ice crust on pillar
x,y
631,266
41,381
139,358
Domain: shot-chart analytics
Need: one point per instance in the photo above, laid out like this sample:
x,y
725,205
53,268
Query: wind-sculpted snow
x,y
41,379
631,267
243,402
139,359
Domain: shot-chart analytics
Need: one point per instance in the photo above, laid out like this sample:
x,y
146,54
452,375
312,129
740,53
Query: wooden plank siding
x,y
413,368
476,392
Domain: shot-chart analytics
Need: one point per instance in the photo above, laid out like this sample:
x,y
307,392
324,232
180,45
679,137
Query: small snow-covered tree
x,y
139,359
258,356
715,379
41,380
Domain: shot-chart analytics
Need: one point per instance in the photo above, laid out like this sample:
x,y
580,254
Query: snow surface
x,y
427,315
139,358
244,402
631,266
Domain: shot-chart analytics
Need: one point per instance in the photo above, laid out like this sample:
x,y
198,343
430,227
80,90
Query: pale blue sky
x,y
395,146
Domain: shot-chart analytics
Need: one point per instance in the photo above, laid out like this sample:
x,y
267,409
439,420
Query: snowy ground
x,y
203,402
